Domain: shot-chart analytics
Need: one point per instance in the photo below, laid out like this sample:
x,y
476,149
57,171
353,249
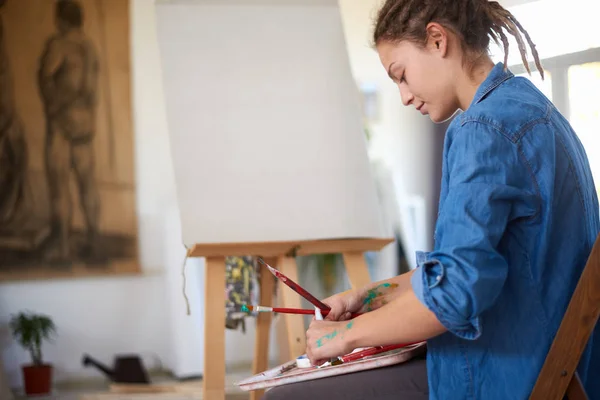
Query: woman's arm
x,y
465,273
366,299
382,326
380,293
418,323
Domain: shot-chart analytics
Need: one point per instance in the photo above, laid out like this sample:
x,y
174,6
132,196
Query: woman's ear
x,y
437,38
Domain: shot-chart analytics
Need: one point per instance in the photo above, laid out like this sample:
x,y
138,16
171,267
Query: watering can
x,y
127,369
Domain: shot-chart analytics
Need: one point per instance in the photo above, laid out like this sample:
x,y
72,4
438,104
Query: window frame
x,y
558,67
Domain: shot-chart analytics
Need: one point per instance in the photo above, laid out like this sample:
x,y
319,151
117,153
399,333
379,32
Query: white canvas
x,y
264,122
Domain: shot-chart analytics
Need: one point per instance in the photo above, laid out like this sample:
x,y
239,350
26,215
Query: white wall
x,y
124,312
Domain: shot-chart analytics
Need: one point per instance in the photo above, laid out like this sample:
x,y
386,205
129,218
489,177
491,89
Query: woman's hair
x,y
473,21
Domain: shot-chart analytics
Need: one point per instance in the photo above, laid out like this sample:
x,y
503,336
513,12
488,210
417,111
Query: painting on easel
x,y
67,183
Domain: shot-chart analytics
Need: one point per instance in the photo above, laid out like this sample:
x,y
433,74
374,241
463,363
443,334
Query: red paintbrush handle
x,y
296,288
302,292
372,351
305,311
293,310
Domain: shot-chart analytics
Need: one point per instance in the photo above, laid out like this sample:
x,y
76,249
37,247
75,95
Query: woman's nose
x,y
406,95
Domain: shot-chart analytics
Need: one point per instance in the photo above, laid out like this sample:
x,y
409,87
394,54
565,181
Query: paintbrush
x,y
296,288
284,310
370,352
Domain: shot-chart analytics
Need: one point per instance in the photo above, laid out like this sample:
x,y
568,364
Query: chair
x,y
558,375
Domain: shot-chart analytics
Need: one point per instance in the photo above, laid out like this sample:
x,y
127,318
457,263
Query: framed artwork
x,y
67,182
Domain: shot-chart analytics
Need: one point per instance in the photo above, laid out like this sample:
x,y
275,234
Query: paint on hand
x,y
327,337
332,335
378,291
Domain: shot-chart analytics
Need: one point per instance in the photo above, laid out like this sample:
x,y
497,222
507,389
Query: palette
x,y
289,373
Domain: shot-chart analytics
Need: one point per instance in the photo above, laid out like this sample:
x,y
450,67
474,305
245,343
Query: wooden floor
x,y
100,390
75,395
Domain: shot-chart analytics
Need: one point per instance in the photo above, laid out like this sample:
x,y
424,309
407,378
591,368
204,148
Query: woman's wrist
x,y
353,336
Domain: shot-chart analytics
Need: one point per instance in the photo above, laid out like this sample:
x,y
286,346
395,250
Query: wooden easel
x,y
280,255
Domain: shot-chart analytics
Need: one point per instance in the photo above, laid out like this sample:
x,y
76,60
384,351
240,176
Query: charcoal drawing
x,y
67,190
13,149
68,78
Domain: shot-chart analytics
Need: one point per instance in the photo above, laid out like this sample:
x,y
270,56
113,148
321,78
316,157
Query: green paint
x,y
372,294
245,308
328,337
332,335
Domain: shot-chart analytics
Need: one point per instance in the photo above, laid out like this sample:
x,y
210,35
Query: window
x,y
555,27
584,110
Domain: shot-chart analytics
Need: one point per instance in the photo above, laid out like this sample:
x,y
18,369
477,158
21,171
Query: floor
x,y
99,390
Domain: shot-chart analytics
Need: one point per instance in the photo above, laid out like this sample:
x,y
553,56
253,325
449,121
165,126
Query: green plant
x,y
30,330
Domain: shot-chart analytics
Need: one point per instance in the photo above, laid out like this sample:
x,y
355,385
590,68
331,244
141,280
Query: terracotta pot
x,y
37,379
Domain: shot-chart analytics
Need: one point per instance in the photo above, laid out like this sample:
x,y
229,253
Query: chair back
x,y
558,375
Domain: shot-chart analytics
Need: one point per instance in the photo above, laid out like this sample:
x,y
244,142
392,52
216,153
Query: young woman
x,y
518,216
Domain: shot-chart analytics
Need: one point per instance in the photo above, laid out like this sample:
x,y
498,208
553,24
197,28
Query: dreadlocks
x,y
474,21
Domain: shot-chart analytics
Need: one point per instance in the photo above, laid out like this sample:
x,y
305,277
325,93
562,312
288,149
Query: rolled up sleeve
x,y
487,187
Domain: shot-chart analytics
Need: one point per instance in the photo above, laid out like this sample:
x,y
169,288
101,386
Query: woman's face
x,y
423,75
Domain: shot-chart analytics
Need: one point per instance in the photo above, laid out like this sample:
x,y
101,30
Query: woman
x,y
518,216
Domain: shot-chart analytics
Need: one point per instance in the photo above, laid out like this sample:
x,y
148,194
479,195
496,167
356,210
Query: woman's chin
x,y
440,117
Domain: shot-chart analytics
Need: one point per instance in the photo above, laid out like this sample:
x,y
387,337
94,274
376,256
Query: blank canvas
x,y
265,129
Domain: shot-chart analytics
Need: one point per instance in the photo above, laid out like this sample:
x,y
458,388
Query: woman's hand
x,y
343,304
327,339
362,300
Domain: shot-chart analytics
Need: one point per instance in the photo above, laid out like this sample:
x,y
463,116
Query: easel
x,y
280,255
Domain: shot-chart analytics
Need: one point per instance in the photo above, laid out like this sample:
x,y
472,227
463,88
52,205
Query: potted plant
x,y
30,330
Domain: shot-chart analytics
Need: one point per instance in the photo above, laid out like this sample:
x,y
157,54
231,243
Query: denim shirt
x,y
518,215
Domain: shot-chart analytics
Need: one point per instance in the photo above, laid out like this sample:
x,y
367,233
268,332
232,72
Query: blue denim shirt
x,y
518,215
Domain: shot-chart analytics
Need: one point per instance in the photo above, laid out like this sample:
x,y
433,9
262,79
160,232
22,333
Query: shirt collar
x,y
493,80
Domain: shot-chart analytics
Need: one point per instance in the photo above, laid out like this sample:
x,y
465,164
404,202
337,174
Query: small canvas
x,y
265,124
